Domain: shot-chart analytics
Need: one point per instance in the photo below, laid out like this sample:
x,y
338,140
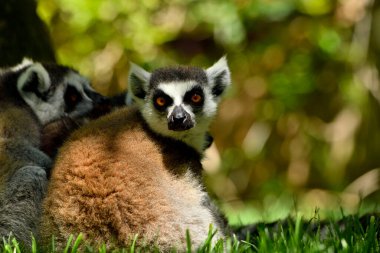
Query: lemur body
x,y
124,175
31,96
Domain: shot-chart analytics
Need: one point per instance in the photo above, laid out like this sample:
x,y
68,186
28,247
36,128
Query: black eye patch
x,y
72,98
195,98
161,101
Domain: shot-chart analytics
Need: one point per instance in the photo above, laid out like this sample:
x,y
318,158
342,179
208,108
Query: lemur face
x,y
54,91
179,102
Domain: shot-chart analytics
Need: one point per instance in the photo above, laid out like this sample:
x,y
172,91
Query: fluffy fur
x,y
118,176
115,178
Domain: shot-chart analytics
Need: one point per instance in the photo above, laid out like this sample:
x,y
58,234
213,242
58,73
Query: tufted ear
x,y
219,76
138,82
34,83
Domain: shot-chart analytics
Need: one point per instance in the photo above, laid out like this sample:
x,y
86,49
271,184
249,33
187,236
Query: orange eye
x,y
160,101
73,98
196,98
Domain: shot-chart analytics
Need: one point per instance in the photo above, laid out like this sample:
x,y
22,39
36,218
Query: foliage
x,y
301,121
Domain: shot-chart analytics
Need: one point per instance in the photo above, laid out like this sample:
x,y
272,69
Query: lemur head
x,y
179,102
54,91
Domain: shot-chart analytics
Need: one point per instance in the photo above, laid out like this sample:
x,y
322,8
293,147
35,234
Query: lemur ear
x,y
138,81
219,76
33,83
25,62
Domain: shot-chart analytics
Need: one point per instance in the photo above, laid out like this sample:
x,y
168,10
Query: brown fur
x,y
114,178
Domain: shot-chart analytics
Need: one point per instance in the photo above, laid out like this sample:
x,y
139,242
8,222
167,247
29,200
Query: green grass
x,y
350,234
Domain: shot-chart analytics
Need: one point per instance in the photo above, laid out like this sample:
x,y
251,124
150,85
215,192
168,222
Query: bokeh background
x,y
299,130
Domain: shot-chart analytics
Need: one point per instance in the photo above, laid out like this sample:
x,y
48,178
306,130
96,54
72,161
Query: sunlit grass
x,y
349,234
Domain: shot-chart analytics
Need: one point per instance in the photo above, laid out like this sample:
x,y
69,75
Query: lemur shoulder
x,y
137,170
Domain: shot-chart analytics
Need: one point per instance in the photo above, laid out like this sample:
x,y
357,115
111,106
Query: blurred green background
x,y
299,129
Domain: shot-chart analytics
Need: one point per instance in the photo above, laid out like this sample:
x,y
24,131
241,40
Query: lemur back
x,y
32,95
117,176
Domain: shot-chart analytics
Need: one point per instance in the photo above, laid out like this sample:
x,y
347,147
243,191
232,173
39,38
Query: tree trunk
x,y
22,33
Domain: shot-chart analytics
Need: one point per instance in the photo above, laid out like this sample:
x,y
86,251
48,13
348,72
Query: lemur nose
x,y
179,120
178,114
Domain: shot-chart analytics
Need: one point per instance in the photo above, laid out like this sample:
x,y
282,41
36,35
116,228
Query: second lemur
x,y
32,95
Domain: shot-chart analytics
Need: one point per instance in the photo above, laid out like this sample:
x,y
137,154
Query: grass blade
x,y
16,246
188,241
52,250
68,245
34,245
133,246
77,243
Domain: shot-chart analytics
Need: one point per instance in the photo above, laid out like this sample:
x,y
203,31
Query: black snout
x,y
180,120
96,97
100,105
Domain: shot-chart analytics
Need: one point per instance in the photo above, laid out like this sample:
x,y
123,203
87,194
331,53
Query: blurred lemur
x,y
32,96
138,170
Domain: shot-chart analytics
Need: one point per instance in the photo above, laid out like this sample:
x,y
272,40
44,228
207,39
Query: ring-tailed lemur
x,y
32,95
138,170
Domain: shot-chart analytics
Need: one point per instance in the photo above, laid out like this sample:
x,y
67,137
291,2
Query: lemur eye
x,y
196,98
72,97
160,101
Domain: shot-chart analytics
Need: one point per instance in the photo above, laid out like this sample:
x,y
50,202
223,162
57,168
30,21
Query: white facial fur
x,y
177,91
218,77
195,136
54,107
